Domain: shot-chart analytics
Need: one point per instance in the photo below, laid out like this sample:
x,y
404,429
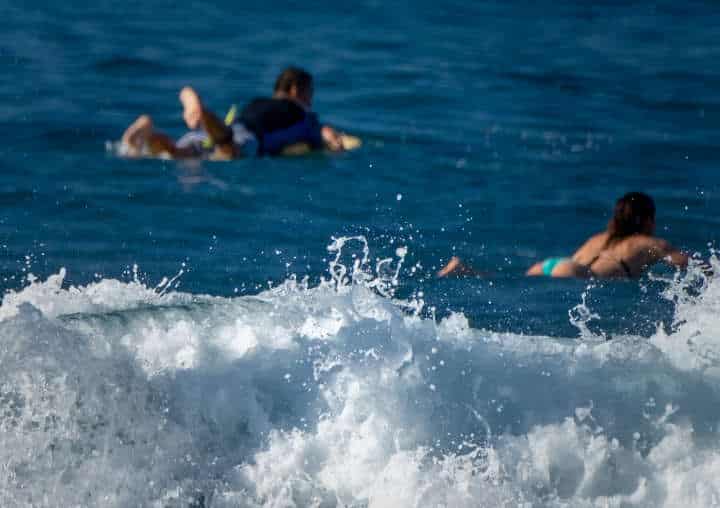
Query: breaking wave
x,y
123,394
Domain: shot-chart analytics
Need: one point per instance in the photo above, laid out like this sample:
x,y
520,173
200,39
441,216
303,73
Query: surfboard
x,y
349,143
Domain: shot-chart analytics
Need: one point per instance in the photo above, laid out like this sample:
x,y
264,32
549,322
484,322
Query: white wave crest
x,y
119,394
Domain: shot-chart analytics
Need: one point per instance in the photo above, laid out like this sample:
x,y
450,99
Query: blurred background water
x,y
499,131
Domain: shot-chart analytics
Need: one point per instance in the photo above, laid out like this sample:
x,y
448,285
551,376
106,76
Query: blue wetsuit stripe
x,y
307,131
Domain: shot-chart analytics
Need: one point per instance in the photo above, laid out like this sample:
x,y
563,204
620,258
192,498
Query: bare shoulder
x,y
649,247
657,249
650,243
590,248
598,239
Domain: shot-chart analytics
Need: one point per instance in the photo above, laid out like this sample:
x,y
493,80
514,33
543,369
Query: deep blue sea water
x,y
508,129
501,132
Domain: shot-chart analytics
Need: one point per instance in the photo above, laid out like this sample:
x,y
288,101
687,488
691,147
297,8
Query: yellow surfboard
x,y
350,142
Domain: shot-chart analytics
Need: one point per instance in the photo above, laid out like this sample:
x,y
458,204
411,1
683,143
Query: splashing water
x,y
580,315
121,394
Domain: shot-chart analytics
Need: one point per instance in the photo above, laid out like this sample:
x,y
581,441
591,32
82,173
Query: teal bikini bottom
x,y
550,263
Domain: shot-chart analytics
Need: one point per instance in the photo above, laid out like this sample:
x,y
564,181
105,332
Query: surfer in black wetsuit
x,y
286,119
281,124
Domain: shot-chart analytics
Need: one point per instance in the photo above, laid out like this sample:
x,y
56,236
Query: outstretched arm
x,y
332,139
663,251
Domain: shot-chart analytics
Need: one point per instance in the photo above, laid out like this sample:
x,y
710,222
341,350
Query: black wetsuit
x,y
277,123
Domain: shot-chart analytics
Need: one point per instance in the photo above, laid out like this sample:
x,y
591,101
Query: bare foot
x,y
457,268
192,107
136,136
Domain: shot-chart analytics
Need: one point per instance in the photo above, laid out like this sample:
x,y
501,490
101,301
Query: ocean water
x,y
270,332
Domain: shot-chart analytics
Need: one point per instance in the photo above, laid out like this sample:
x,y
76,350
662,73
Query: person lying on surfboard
x,y
281,124
624,250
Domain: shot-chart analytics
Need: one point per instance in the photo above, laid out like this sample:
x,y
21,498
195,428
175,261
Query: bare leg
x,y
535,270
456,268
141,138
136,136
195,115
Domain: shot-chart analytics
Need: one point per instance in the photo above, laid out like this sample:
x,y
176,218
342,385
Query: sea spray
x,y
117,394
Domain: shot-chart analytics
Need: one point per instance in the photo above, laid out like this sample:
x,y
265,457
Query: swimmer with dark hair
x,y
282,124
624,250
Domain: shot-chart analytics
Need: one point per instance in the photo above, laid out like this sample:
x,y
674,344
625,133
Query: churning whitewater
x,y
123,394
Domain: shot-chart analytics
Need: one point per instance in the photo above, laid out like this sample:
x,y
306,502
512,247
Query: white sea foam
x,y
120,394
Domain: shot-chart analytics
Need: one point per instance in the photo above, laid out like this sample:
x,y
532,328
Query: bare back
x,y
625,258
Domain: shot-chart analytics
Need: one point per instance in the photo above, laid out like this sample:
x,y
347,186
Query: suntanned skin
x,y
638,251
195,115
141,133
457,268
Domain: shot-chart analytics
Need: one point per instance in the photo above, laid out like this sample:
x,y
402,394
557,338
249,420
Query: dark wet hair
x,y
293,76
632,212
